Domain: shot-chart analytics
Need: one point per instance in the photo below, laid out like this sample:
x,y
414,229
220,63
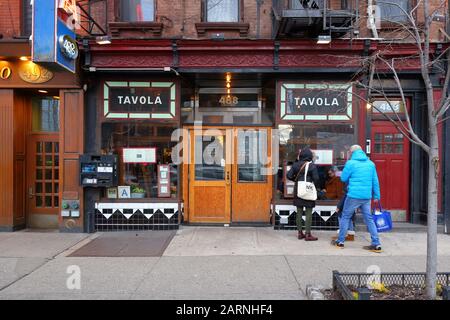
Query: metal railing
x,y
343,281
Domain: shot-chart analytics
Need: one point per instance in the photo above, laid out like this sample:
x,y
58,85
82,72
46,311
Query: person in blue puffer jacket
x,y
361,176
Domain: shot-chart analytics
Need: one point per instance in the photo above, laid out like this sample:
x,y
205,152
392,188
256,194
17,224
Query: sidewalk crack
x,y
293,274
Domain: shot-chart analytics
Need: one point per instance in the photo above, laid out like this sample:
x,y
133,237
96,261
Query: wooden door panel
x,y
251,199
209,190
43,174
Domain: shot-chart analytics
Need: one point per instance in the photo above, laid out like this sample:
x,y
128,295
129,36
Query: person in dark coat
x,y
304,207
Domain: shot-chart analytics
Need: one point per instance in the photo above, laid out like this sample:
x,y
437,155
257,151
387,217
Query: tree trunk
x,y
433,175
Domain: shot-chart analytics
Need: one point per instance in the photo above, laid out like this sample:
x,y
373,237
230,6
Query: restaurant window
x,y
222,10
137,10
153,141
393,10
330,144
139,118
26,18
319,116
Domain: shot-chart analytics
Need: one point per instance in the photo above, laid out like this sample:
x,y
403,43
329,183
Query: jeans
x,y
351,226
308,213
350,206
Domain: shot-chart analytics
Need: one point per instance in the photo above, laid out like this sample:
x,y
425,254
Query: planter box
x,y
343,281
137,195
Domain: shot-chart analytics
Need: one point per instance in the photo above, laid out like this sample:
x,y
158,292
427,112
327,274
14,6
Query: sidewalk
x,y
201,263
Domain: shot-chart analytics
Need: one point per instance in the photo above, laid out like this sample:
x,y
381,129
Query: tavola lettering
x,y
139,100
311,102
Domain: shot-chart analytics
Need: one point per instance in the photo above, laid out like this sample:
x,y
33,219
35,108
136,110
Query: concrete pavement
x,y
200,263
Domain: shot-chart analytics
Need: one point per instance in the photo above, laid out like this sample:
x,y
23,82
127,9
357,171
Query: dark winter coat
x,y
312,176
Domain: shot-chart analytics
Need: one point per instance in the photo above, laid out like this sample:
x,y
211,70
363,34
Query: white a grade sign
x,y
139,155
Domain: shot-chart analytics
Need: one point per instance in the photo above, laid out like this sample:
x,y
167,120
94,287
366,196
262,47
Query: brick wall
x,y
179,18
10,13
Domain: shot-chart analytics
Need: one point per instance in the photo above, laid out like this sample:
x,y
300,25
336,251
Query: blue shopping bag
x,y
382,218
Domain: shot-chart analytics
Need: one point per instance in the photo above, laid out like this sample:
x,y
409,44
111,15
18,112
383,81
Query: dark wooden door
x,y
390,153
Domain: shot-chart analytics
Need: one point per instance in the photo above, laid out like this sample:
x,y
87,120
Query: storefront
x,y
219,132
36,140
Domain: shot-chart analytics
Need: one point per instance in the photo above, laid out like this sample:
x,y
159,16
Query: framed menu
x,y
163,181
288,184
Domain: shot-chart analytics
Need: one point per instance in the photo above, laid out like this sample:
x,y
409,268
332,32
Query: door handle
x,y
30,193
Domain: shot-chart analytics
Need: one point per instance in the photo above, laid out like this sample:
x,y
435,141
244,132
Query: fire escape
x,y
311,18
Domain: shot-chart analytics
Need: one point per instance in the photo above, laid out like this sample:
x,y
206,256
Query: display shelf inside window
x,y
141,147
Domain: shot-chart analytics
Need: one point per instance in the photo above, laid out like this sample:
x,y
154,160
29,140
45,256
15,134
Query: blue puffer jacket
x,y
361,175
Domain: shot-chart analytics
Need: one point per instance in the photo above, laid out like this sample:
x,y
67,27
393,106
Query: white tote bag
x,y
306,190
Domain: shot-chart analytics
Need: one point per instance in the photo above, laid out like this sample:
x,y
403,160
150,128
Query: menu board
x,y
163,181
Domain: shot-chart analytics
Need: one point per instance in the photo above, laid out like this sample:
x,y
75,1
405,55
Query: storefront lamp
x,y
324,39
23,58
43,91
103,40
368,106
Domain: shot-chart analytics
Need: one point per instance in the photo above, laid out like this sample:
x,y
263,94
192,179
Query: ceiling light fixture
x,y
23,58
43,91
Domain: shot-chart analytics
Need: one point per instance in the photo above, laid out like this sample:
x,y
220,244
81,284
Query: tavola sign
x,y
317,101
139,100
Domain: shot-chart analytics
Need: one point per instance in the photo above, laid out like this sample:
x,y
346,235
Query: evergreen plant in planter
x,y
137,193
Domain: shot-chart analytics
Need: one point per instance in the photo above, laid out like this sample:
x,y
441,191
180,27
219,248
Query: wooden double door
x,y
230,175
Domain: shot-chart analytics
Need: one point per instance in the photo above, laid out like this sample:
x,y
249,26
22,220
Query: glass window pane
x,y
48,147
38,160
38,147
48,187
45,114
331,144
252,151
388,137
48,160
38,201
56,202
388,148
398,137
138,10
56,172
210,157
56,147
38,187
56,161
48,201
393,10
399,148
38,174
56,185
222,10
378,148
48,174
378,137
141,177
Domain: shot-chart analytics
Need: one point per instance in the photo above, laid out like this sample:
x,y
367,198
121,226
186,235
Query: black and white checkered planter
x,y
136,216
324,217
